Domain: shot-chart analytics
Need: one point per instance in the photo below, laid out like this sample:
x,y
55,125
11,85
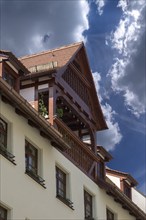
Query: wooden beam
x,y
43,134
6,100
32,123
92,167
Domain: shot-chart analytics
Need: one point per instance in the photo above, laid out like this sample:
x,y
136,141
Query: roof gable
x,y
60,55
122,175
81,81
75,55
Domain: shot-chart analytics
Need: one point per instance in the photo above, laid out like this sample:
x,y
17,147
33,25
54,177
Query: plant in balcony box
x,y
42,108
59,112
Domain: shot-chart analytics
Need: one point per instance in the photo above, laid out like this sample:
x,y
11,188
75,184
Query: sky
x,y
113,32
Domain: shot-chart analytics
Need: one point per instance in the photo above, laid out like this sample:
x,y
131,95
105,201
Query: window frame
x,y
9,76
88,202
101,170
4,145
10,79
29,169
5,213
28,147
4,132
63,182
109,212
127,189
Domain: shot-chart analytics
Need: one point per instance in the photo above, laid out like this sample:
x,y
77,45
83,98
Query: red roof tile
x,y
62,55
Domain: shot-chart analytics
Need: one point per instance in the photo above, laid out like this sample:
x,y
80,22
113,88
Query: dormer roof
x,y
122,176
12,60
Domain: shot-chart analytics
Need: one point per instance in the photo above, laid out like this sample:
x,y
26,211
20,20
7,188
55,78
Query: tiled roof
x,y
14,59
62,55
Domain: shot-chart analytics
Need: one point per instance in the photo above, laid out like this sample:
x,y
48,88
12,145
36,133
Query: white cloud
x,y
128,71
108,138
100,5
32,26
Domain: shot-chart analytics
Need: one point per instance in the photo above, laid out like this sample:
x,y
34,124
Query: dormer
x,y
60,86
104,157
11,69
123,180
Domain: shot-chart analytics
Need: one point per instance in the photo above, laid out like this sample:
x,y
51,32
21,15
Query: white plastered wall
x,y
139,199
114,179
27,199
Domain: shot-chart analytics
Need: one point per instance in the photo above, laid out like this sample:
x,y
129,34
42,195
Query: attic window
x,y
101,170
9,79
127,189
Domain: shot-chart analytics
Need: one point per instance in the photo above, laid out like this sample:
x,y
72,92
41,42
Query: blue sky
x,y
114,35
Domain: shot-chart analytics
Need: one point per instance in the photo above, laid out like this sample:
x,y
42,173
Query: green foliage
x,y
59,112
42,108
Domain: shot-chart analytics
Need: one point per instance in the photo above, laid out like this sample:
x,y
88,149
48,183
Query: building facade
x,y
51,166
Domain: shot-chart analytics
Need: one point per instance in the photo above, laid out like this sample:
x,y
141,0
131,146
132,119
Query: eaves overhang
x,y
126,203
122,175
18,64
23,108
106,155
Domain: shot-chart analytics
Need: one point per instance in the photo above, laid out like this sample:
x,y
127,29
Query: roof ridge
x,y
51,50
117,171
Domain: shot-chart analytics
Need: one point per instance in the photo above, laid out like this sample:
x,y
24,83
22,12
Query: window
x,y
61,191
127,190
60,183
31,163
3,141
31,158
9,79
109,214
88,205
3,134
101,172
3,213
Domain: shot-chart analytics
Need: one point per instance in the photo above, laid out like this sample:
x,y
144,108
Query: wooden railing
x,y
79,153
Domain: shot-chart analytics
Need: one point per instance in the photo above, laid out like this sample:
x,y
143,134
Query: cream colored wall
x,y
114,179
27,199
139,199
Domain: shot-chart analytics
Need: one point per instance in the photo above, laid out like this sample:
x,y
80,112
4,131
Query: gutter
x,y
112,190
26,110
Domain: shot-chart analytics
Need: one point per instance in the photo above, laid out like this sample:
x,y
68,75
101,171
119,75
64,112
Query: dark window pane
x,y
60,183
127,190
101,170
110,215
3,133
88,205
9,79
31,157
3,213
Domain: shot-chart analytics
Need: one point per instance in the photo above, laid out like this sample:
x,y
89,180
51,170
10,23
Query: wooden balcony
x,y
79,153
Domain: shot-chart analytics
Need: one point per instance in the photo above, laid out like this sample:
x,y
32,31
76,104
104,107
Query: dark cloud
x,y
46,38
26,26
128,72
